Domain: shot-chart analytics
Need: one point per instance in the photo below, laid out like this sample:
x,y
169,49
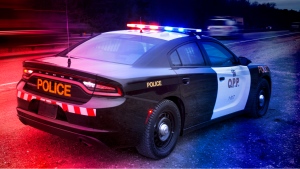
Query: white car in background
x,y
223,27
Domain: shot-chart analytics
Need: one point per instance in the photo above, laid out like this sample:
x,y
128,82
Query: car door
x,y
198,85
233,79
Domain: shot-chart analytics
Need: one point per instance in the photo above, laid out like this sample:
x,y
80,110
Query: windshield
x,y
117,48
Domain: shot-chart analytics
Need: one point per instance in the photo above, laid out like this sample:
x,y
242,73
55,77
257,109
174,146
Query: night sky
x,y
282,4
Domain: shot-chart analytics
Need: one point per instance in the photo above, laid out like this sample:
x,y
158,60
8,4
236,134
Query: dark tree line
x,y
104,15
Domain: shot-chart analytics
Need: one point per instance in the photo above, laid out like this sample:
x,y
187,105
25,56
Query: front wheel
x,y
162,131
260,99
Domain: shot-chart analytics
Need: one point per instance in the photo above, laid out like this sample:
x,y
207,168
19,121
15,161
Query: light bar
x,y
165,28
153,27
181,29
142,26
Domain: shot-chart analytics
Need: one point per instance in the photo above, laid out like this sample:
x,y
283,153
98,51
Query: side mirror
x,y
244,61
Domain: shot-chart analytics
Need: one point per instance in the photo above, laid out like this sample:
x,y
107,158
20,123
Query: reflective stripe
x,y
29,97
83,111
77,110
25,96
71,108
66,107
91,112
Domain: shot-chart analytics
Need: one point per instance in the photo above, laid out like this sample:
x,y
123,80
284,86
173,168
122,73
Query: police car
x,y
225,26
143,87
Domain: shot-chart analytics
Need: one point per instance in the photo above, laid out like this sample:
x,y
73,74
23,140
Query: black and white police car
x,y
142,88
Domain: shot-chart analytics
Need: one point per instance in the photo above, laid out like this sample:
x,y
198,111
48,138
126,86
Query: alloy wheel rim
x,y
261,99
163,131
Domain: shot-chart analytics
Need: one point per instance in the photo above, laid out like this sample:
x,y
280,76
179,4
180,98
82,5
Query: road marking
x,y
5,84
259,39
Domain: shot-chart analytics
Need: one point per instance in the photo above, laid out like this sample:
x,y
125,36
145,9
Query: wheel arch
x,y
180,105
268,78
254,84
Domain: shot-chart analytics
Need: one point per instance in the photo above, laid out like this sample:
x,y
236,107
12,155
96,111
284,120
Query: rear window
x,y
217,22
222,22
117,48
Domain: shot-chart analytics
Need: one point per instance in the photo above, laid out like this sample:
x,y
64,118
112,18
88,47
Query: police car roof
x,y
164,35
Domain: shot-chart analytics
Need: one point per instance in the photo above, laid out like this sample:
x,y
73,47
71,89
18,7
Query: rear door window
x,y
187,55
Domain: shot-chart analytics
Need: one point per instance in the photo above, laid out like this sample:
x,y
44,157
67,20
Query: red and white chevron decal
x,y
66,107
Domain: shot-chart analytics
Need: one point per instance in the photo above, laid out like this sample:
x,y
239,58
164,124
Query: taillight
x,y
103,89
89,85
100,87
26,73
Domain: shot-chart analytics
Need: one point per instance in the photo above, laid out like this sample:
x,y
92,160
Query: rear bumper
x,y
86,135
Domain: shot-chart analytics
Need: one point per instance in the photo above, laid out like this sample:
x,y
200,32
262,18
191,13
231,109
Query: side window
x,y
175,59
218,55
187,55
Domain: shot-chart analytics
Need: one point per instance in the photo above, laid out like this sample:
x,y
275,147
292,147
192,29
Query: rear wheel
x,y
162,131
260,99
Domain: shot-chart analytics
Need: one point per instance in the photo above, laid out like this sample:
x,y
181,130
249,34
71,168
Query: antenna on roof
x,y
141,30
67,20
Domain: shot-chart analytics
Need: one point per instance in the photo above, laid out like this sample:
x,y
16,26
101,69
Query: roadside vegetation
x,y
106,15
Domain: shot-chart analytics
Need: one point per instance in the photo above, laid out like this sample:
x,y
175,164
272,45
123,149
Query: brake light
x,y
26,73
103,89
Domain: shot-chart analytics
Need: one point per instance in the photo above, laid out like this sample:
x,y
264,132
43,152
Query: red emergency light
x,y
165,28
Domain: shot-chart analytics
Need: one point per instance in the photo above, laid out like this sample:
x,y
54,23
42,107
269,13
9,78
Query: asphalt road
x,y
267,142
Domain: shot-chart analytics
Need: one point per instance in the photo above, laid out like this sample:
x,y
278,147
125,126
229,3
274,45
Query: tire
x,y
260,99
162,131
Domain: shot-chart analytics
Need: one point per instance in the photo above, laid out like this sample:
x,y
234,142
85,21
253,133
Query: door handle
x,y
186,81
222,78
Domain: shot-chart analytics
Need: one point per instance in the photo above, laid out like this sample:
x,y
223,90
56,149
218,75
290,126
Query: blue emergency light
x,y
165,28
